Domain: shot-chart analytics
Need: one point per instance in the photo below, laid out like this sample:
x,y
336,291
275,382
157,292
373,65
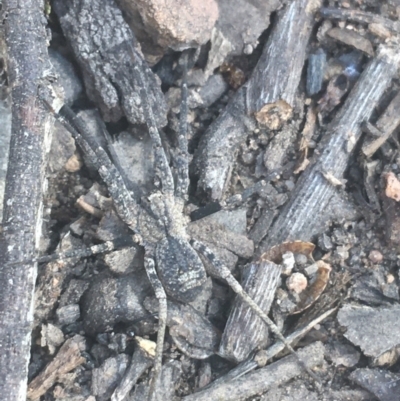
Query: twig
x,y
25,34
305,210
269,95
262,380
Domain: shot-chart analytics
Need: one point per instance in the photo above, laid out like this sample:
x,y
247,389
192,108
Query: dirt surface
x,y
96,317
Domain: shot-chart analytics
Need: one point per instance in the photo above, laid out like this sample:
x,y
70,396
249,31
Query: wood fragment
x,y
27,61
353,39
142,359
305,210
254,361
68,358
315,72
270,91
362,17
244,330
386,124
262,380
107,66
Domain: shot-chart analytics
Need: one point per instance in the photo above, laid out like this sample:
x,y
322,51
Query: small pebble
x,y
301,259
288,263
390,278
375,256
297,282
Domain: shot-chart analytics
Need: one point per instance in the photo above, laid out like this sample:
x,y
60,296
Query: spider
x,y
172,260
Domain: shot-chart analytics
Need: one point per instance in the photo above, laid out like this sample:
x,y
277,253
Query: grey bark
x,y
306,209
270,91
25,37
107,53
262,380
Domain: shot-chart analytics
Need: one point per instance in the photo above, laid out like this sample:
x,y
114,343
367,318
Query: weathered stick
x,y
142,359
305,209
67,359
385,125
362,17
26,38
102,42
269,94
244,330
251,363
262,380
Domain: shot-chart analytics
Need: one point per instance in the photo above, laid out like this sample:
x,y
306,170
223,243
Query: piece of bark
x,y
270,93
68,358
365,329
260,381
362,17
263,356
107,52
244,330
27,61
352,38
142,359
315,72
386,124
384,384
306,208
106,377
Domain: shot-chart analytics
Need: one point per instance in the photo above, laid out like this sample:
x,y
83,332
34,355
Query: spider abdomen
x,y
179,269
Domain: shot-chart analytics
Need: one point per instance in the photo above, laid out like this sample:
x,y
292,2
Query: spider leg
x,y
162,320
224,273
80,253
125,205
163,171
182,159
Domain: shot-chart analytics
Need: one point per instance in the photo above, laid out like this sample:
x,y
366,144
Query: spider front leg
x,y
224,273
162,320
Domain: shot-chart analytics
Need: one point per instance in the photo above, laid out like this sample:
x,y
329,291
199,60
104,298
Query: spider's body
x,y
172,261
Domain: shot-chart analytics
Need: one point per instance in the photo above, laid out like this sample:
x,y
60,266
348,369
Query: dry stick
x,y
386,125
362,17
305,209
262,380
67,359
273,85
251,364
26,37
142,359
107,68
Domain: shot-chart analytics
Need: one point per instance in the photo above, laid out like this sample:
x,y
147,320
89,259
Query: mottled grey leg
x,y
162,321
221,271
161,165
124,203
182,158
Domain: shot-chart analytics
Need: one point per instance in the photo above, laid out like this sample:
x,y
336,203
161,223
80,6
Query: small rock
x,y
375,256
301,259
176,24
343,354
297,283
288,262
120,261
392,187
67,76
51,336
106,378
68,314
325,243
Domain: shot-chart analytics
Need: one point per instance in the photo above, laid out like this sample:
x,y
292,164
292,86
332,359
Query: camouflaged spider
x,y
172,260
